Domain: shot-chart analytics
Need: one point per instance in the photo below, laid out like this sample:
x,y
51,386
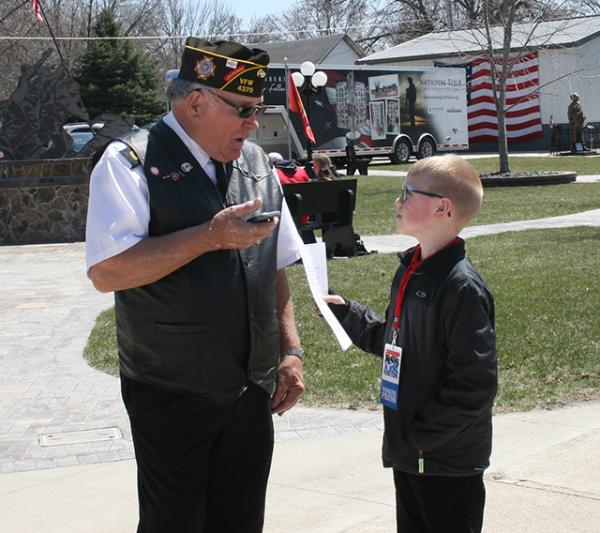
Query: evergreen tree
x,y
114,77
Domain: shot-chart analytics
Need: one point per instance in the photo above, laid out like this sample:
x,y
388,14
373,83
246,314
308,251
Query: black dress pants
x,y
439,504
202,468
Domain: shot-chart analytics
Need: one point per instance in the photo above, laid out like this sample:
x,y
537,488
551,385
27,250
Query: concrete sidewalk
x,y
543,479
585,178
392,243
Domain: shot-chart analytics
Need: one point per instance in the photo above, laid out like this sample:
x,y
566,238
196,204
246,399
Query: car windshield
x,y
80,139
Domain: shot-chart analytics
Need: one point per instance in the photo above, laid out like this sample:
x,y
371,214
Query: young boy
x,y
439,375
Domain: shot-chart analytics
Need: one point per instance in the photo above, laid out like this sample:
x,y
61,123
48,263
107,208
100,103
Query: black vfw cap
x,y
224,65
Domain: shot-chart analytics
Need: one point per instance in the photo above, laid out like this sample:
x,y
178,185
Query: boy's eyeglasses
x,y
407,189
243,111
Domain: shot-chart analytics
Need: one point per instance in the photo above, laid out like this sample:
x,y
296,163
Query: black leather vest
x,y
209,327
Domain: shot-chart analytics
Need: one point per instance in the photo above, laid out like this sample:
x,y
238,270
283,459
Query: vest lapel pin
x,y
174,176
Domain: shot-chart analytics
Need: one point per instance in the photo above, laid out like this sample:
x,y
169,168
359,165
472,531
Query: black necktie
x,y
222,181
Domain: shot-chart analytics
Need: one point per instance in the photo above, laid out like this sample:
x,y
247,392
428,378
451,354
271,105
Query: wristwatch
x,y
296,352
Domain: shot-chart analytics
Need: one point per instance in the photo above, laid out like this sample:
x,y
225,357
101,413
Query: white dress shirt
x,y
119,211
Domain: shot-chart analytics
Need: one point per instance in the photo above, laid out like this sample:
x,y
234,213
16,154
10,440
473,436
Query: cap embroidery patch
x,y
234,73
205,68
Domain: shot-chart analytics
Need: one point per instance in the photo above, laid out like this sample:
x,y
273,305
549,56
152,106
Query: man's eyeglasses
x,y
407,189
243,111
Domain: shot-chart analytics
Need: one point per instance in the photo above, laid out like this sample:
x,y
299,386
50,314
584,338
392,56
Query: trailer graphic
x,y
393,112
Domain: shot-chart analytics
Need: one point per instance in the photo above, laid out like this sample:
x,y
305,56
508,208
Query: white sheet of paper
x,y
315,267
314,256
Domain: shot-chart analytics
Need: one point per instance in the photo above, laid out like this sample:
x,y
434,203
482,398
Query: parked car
x,y
83,127
82,133
80,139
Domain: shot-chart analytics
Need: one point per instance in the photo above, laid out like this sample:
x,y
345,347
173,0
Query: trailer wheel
x,y
402,152
427,148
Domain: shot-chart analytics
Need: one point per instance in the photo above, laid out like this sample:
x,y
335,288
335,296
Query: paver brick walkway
x,y
48,308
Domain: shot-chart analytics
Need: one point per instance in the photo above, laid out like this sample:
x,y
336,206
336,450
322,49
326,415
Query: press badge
x,y
390,376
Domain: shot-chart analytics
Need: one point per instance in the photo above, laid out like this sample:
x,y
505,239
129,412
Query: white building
x,y
568,55
336,49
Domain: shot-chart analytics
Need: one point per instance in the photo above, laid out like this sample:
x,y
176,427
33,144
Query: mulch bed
x,y
498,179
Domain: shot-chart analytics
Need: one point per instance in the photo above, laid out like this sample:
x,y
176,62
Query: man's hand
x,y
229,229
290,384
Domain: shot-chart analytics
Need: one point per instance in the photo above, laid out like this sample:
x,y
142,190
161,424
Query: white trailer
x,y
387,111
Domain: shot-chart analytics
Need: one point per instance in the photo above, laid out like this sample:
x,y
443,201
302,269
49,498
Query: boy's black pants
x,y
202,468
439,504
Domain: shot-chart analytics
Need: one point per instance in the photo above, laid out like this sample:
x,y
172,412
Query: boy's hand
x,y
331,299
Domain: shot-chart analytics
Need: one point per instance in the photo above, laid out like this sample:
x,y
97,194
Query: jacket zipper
x,y
421,463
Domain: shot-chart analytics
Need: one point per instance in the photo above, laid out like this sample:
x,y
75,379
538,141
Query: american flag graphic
x,y
523,119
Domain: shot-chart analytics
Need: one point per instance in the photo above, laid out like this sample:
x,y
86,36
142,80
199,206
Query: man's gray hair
x,y
179,89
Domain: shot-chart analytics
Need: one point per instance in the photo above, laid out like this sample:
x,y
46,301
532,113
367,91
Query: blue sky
x,y
246,9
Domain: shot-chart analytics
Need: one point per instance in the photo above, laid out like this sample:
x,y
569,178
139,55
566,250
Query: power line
x,y
181,37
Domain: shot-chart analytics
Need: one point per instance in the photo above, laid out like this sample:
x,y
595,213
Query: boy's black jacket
x,y
448,377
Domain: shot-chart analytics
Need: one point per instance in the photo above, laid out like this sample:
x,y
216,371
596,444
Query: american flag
x,y
36,9
523,119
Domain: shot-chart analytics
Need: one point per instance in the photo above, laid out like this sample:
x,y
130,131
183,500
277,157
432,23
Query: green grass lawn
x,y
547,292
486,165
374,213
101,348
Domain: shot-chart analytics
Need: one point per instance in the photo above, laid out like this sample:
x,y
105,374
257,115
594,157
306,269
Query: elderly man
x,y
205,322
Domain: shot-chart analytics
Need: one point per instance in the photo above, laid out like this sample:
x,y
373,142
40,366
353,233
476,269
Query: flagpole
x,y
62,59
287,107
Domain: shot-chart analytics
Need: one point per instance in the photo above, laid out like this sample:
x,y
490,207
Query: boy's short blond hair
x,y
454,178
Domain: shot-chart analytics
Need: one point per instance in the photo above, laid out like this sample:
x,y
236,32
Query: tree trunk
x,y
502,142
504,74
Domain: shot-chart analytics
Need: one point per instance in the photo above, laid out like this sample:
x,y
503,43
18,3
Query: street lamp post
x,y
308,82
